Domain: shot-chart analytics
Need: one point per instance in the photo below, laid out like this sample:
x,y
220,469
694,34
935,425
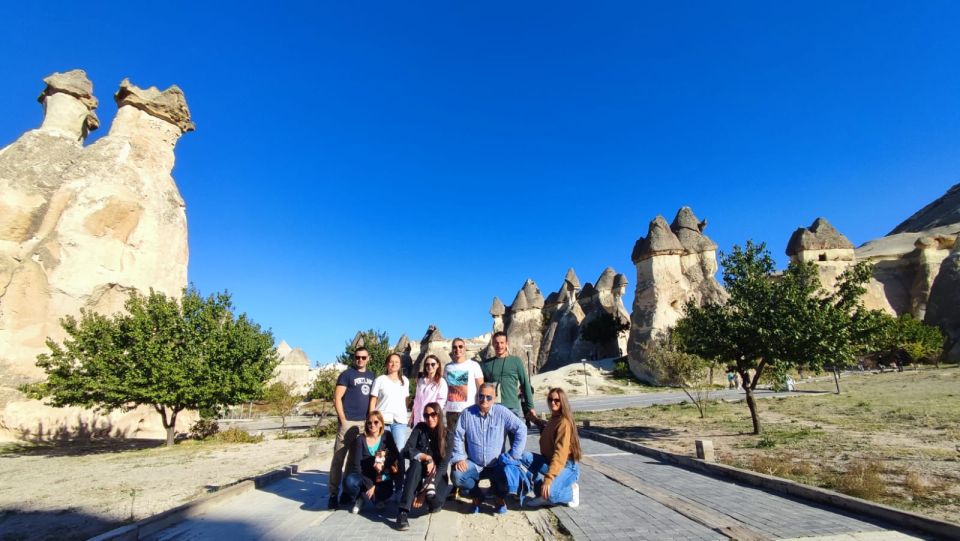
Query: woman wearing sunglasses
x,y
556,466
374,465
426,478
430,388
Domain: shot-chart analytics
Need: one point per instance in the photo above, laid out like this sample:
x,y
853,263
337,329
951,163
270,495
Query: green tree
x,y
685,370
907,334
377,343
281,401
169,354
769,319
323,387
603,330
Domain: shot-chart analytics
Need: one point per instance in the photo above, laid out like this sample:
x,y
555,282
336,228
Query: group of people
x,y
467,424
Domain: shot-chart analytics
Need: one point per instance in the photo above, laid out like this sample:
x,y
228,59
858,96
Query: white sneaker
x,y
575,502
357,504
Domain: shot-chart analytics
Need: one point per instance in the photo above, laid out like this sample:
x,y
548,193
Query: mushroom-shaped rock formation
x,y
819,242
689,230
660,240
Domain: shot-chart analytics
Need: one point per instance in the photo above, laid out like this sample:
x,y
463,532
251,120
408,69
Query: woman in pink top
x,y
431,387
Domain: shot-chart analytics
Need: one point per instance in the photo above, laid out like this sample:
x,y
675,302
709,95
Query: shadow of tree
x,y
77,448
635,433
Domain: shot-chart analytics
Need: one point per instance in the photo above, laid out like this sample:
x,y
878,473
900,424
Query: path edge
x,y
898,517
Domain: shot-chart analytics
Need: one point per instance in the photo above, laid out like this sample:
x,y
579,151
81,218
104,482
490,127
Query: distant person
x,y
425,482
478,442
430,388
556,467
510,377
374,468
463,377
731,379
389,397
350,400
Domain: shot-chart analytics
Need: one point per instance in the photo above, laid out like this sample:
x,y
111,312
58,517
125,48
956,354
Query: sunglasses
x,y
359,358
428,365
373,423
431,415
553,400
487,397
458,346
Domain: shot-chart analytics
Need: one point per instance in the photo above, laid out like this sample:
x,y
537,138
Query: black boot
x,y
402,523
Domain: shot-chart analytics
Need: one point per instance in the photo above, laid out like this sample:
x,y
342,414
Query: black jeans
x,y
411,483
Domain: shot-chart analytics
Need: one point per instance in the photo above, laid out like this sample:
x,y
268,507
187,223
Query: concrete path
x,y
623,496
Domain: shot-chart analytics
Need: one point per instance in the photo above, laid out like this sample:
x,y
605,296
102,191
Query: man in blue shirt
x,y
351,399
477,443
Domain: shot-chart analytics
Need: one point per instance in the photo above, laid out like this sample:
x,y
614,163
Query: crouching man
x,y
477,443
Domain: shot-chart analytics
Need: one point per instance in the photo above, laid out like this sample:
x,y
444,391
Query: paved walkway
x,y
623,496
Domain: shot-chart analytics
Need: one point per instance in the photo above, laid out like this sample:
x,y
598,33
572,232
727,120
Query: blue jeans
x,y
467,480
400,433
353,487
561,489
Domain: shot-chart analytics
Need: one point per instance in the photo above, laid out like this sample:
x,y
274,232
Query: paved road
x,y
623,495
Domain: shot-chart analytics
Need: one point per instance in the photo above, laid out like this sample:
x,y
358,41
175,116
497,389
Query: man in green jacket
x,y
508,373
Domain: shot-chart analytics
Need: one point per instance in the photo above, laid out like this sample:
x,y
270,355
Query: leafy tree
x,y
687,371
281,401
787,319
377,343
908,335
323,387
172,355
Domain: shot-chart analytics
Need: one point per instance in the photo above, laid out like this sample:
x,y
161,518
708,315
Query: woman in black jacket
x,y
426,479
374,466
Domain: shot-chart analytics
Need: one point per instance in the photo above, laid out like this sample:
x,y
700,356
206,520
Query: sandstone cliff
x,y
82,226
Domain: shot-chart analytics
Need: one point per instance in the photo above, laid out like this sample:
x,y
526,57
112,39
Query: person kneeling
x,y
556,467
477,444
374,465
426,479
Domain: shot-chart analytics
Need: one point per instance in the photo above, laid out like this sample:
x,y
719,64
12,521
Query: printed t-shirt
x,y
356,399
461,385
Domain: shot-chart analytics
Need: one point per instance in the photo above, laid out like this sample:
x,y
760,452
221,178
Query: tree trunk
x,y
169,423
748,387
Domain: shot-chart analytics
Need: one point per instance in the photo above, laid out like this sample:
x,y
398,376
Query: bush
x,y
862,480
323,429
204,429
237,435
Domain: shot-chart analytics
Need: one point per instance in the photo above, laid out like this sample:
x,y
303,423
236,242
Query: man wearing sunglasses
x,y
463,377
351,399
477,443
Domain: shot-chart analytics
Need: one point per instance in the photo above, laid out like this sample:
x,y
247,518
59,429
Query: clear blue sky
x,y
397,164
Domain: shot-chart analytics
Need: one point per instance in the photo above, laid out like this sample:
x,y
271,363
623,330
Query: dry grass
x,y
872,440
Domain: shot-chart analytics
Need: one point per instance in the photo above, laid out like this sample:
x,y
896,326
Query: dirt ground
x,y
77,491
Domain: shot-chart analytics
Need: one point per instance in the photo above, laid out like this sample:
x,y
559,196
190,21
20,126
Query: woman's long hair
x,y
436,375
440,437
567,412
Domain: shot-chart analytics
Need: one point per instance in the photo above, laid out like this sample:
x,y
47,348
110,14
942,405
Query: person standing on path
x,y
464,377
389,397
556,467
510,377
431,387
350,400
478,442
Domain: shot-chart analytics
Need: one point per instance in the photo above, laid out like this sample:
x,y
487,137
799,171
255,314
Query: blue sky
x,y
397,164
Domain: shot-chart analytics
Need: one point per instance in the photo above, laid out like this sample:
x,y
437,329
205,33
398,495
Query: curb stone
x,y
898,517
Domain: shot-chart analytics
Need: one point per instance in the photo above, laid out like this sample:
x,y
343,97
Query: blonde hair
x,y
378,416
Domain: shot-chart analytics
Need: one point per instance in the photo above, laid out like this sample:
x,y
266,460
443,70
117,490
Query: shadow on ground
x,y
65,525
635,432
77,448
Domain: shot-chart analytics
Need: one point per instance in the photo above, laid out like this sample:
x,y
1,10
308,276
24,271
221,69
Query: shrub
x,y
862,480
203,429
323,429
237,435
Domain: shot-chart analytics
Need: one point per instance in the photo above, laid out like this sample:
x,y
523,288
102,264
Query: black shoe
x,y
332,503
402,523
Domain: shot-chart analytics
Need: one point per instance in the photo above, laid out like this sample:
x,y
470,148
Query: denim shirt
x,y
480,438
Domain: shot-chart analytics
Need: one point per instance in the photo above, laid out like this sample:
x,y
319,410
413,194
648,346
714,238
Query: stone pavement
x,y
623,496
629,496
